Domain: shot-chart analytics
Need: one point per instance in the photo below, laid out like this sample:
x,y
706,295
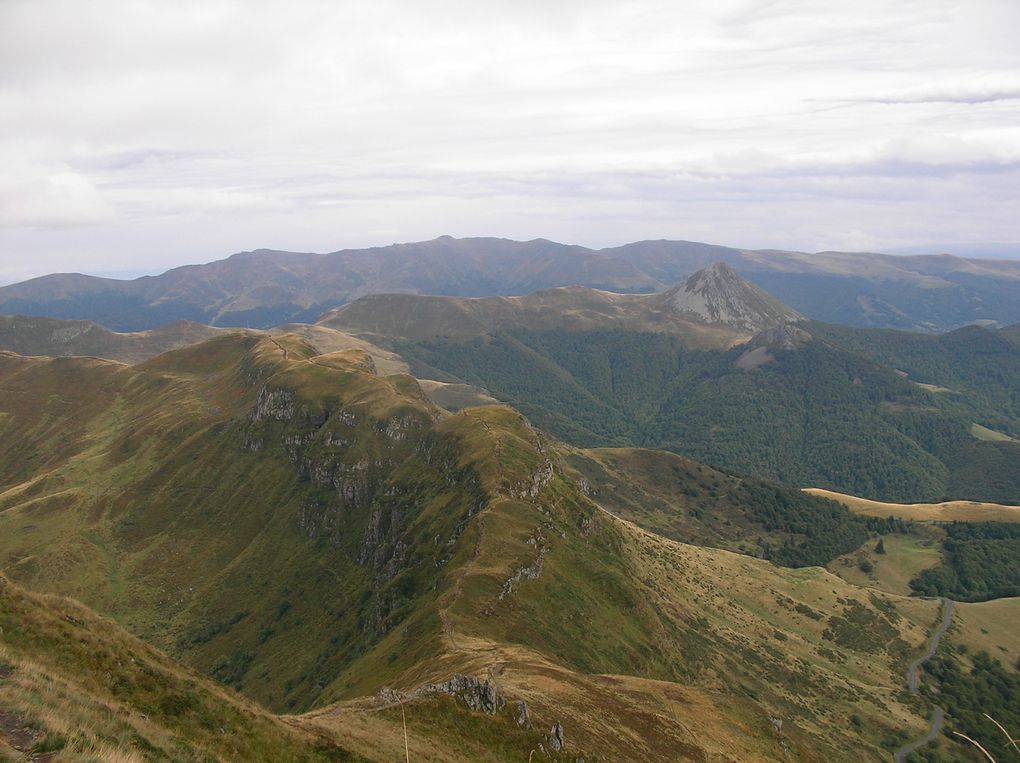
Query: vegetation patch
x,y
982,561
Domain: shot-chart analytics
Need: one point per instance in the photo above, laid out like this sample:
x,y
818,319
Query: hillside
x,y
310,532
712,309
949,511
889,415
782,407
75,685
265,288
27,335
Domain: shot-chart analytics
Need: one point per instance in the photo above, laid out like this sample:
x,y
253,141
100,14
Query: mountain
x,y
717,295
713,308
29,335
885,414
322,537
266,288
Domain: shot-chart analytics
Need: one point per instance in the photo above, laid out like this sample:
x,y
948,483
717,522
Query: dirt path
x,y
913,681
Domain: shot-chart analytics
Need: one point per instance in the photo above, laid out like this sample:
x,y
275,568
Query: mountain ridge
x,y
266,287
712,308
311,532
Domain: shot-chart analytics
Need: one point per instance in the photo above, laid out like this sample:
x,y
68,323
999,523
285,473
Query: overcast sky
x,y
135,135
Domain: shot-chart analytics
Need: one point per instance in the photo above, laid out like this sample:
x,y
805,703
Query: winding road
x,y
913,680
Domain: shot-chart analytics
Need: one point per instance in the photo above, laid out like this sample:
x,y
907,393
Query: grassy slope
x,y
822,415
692,503
990,626
229,535
643,647
905,556
309,531
83,685
948,511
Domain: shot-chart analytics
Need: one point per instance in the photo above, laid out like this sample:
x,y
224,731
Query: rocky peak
x,y
717,294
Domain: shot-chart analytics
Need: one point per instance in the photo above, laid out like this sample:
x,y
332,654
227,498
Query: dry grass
x,y
904,558
963,511
990,626
722,614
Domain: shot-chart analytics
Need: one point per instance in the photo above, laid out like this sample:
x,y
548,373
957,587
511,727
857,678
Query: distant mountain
x,y
265,288
717,295
713,308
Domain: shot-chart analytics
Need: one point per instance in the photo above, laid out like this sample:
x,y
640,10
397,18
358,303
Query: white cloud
x,y
47,195
197,128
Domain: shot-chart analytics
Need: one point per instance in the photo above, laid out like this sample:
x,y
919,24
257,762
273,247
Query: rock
x,y
273,405
483,696
522,717
555,738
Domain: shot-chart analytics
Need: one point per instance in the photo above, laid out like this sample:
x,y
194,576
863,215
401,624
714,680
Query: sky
x,y
138,135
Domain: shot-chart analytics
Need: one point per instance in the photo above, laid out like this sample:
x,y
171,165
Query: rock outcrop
x,y
482,696
718,294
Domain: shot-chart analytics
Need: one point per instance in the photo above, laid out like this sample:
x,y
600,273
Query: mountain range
x,y
713,368
562,525
324,539
886,414
265,288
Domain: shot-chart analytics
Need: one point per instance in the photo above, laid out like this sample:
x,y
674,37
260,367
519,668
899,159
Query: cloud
x,y
196,128
48,195
963,93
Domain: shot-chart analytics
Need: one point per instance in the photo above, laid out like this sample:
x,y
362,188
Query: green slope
x,y
823,413
75,684
309,531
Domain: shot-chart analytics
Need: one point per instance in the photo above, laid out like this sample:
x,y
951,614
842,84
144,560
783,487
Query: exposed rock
x,y
555,738
528,572
759,350
482,696
522,717
718,295
785,337
387,696
273,405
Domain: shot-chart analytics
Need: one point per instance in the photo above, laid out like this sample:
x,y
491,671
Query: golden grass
x,y
990,626
904,558
962,511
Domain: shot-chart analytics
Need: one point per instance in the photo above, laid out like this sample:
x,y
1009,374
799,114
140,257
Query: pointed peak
x,y
718,294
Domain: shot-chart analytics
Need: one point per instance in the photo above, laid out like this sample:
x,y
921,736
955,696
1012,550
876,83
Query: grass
x,y
989,435
312,532
905,556
990,626
92,691
949,511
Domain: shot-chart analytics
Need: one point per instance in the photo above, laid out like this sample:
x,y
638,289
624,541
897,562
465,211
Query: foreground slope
x,y
75,684
311,532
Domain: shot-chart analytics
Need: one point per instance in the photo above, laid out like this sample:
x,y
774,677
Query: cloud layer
x,y
138,134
